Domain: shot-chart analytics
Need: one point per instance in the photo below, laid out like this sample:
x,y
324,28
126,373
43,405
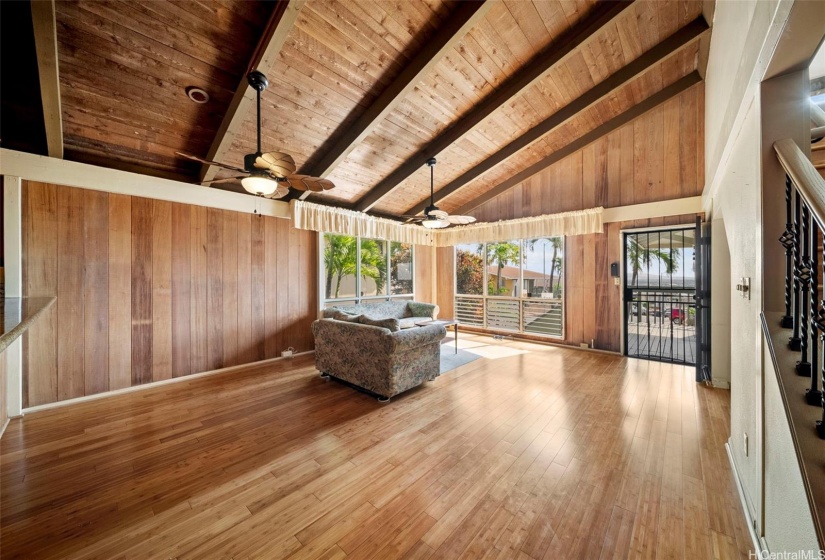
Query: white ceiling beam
x,y
45,42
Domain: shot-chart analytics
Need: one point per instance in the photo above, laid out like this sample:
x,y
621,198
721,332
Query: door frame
x,y
622,307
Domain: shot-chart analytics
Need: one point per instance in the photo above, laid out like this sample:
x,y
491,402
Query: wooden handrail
x,y
809,183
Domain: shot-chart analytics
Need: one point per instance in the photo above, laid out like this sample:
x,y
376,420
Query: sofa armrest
x,y
409,339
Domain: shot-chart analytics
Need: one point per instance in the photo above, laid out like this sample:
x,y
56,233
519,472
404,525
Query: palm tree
x,y
374,262
341,257
502,254
339,260
640,256
555,260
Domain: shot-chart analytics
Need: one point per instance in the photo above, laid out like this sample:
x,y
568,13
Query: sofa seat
x,y
409,322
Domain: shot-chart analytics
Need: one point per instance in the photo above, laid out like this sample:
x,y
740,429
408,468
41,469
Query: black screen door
x,y
660,295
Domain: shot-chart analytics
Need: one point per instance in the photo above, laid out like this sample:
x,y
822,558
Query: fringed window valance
x,y
315,217
579,222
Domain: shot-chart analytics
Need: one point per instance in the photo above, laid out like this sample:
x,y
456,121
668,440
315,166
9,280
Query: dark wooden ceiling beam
x,y
464,18
613,124
45,40
601,15
654,56
266,54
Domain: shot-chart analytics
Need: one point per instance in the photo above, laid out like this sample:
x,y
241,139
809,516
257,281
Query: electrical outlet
x,y
745,438
617,281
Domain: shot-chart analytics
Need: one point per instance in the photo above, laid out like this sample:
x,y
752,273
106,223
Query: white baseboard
x,y
3,429
721,384
759,545
116,392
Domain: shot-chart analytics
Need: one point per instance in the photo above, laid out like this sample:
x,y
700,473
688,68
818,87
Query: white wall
x,y
788,523
744,38
739,202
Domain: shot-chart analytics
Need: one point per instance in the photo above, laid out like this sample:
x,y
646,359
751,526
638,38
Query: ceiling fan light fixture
x,y
433,223
261,186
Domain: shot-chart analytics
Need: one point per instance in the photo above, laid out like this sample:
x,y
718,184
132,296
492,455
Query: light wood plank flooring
x,y
533,452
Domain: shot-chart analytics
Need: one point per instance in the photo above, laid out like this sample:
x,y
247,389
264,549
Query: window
x,y
401,268
514,285
356,269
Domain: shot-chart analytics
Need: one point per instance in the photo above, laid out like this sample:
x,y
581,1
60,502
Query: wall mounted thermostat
x,y
614,270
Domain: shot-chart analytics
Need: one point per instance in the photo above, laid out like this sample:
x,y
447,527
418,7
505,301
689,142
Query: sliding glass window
x,y
514,285
356,269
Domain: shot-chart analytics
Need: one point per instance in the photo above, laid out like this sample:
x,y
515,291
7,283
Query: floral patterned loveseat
x,y
376,355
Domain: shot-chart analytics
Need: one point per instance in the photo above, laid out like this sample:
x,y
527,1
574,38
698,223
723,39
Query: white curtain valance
x,y
315,217
579,222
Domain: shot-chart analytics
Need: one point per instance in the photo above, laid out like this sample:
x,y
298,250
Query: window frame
x,y
358,299
521,298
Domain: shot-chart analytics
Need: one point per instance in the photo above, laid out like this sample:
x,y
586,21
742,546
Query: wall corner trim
x,y
759,545
154,384
81,175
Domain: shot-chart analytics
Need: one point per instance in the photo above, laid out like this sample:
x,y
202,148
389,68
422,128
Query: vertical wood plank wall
x,y
4,411
659,156
423,270
149,290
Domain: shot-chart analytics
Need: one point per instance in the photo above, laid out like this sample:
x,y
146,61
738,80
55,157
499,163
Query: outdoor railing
x,y
535,316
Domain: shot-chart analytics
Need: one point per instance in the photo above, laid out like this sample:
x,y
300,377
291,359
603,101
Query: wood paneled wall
x,y
659,156
4,379
423,268
148,290
445,281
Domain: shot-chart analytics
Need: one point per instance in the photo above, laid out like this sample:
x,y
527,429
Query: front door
x,y
660,295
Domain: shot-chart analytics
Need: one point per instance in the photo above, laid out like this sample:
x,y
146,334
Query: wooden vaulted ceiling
x,y
350,96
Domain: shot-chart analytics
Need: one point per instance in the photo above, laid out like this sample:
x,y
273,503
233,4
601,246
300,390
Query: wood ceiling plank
x,y
463,19
556,52
636,111
123,40
264,58
45,40
651,60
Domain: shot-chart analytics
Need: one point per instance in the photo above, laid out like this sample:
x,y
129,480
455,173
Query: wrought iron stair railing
x,y
796,339
803,242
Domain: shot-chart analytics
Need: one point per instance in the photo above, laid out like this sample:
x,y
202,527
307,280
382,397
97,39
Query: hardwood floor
x,y
534,452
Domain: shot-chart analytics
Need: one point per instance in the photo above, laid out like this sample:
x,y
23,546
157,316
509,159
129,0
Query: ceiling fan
x,y
267,174
434,218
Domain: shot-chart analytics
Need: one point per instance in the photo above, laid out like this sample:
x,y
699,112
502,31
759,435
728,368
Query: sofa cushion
x,y
419,309
410,322
390,323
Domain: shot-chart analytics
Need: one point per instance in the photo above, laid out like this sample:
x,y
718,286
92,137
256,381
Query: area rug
x,y
450,360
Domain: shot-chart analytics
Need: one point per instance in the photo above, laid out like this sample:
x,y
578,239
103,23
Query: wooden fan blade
x,y
461,220
226,179
207,162
280,192
279,164
296,182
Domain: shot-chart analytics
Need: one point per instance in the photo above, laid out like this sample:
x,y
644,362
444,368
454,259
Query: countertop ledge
x,y
18,314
